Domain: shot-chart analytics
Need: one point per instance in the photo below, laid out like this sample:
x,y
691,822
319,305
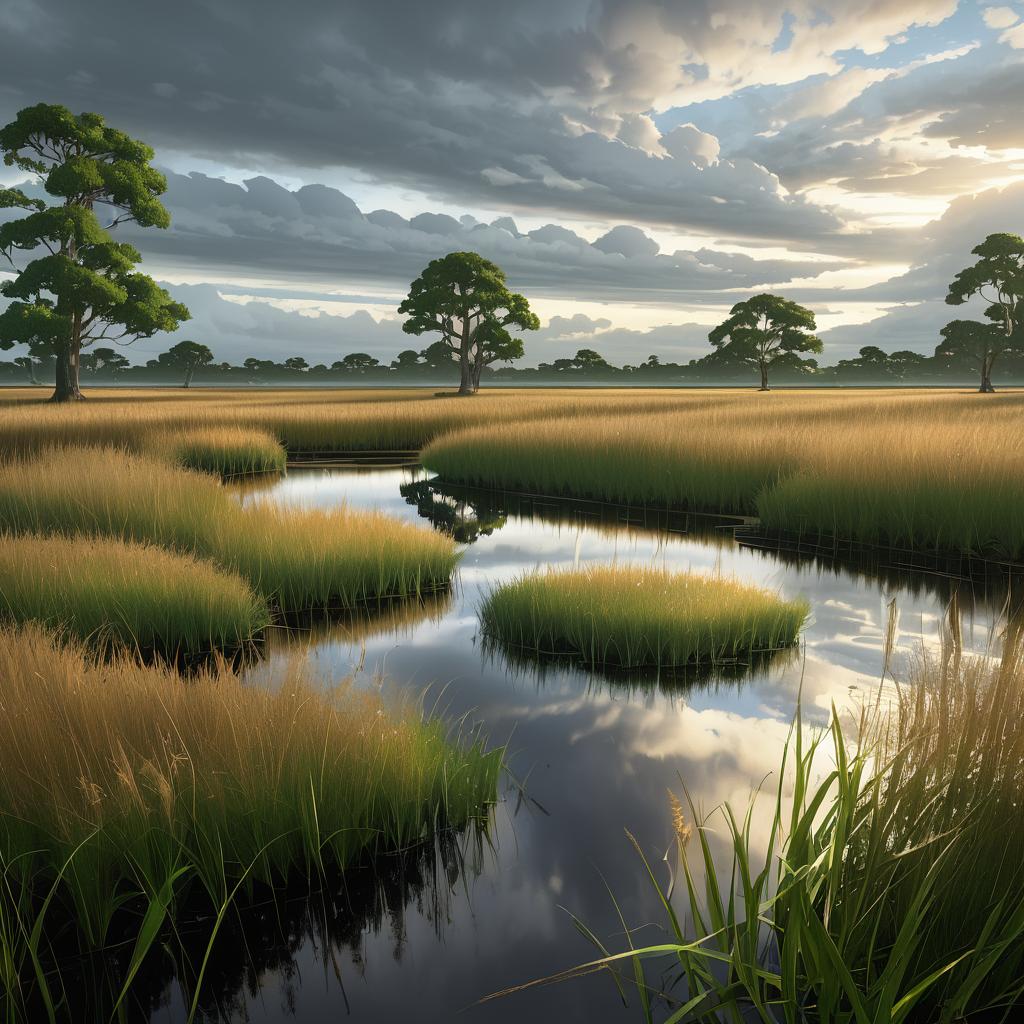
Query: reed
x,y
891,889
294,557
136,780
126,594
639,617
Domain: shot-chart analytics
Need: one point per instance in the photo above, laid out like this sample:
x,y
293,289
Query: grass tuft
x,y
295,558
230,451
639,617
130,594
136,777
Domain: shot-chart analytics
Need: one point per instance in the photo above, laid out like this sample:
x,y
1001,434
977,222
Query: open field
x,y
639,617
128,594
295,558
119,782
932,469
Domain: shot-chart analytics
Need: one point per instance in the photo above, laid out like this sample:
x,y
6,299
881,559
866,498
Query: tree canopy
x,y
998,278
83,288
762,329
464,298
186,357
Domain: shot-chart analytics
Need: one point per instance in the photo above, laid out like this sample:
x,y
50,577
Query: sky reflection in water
x,y
596,757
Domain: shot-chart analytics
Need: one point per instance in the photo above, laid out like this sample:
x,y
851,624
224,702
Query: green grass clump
x,y
229,451
142,783
639,617
126,593
295,558
891,889
916,505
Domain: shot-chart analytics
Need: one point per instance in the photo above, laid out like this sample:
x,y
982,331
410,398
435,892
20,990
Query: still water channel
x,y
424,938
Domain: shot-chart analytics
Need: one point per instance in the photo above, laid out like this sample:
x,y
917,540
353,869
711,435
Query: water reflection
x,y
282,941
593,755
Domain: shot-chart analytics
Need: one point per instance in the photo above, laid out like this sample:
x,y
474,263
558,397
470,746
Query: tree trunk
x,y
986,375
764,378
67,388
188,377
465,365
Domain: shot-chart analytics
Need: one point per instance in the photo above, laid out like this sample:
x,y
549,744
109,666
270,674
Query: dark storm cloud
x,y
514,104
318,235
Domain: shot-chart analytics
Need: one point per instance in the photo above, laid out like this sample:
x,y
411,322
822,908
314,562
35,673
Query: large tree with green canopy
x,y
463,297
81,288
998,278
762,329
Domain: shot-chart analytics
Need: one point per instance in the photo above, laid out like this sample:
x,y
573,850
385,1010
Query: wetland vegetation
x,y
632,618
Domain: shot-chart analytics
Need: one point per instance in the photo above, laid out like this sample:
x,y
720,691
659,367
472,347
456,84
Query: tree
x,y
186,357
408,359
463,297
84,288
762,328
998,277
100,359
296,363
28,364
357,362
973,342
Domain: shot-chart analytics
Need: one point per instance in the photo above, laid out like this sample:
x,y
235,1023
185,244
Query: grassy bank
x,y
639,617
891,889
135,595
299,419
931,471
120,782
230,451
294,558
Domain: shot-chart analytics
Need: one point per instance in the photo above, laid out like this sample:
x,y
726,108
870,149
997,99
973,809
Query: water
x,y
591,756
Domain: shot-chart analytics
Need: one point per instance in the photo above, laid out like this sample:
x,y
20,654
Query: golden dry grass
x,y
142,773
921,469
295,557
118,593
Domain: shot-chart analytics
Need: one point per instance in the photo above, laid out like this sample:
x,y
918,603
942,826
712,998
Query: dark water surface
x,y
429,935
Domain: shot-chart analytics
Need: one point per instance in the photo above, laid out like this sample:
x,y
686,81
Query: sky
x,y
635,167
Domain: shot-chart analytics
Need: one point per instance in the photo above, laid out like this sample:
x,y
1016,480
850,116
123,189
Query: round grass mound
x,y
635,617
126,594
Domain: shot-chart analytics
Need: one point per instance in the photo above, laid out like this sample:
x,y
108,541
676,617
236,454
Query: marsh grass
x,y
936,471
294,558
120,782
639,617
127,594
229,451
891,889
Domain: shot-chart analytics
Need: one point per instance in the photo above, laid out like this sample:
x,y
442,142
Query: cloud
x,y
555,117
317,236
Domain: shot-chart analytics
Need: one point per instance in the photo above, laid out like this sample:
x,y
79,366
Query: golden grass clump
x,y
331,557
295,558
134,774
637,617
127,594
230,451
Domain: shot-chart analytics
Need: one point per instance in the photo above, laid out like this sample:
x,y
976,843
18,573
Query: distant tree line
x,y
75,294
955,361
